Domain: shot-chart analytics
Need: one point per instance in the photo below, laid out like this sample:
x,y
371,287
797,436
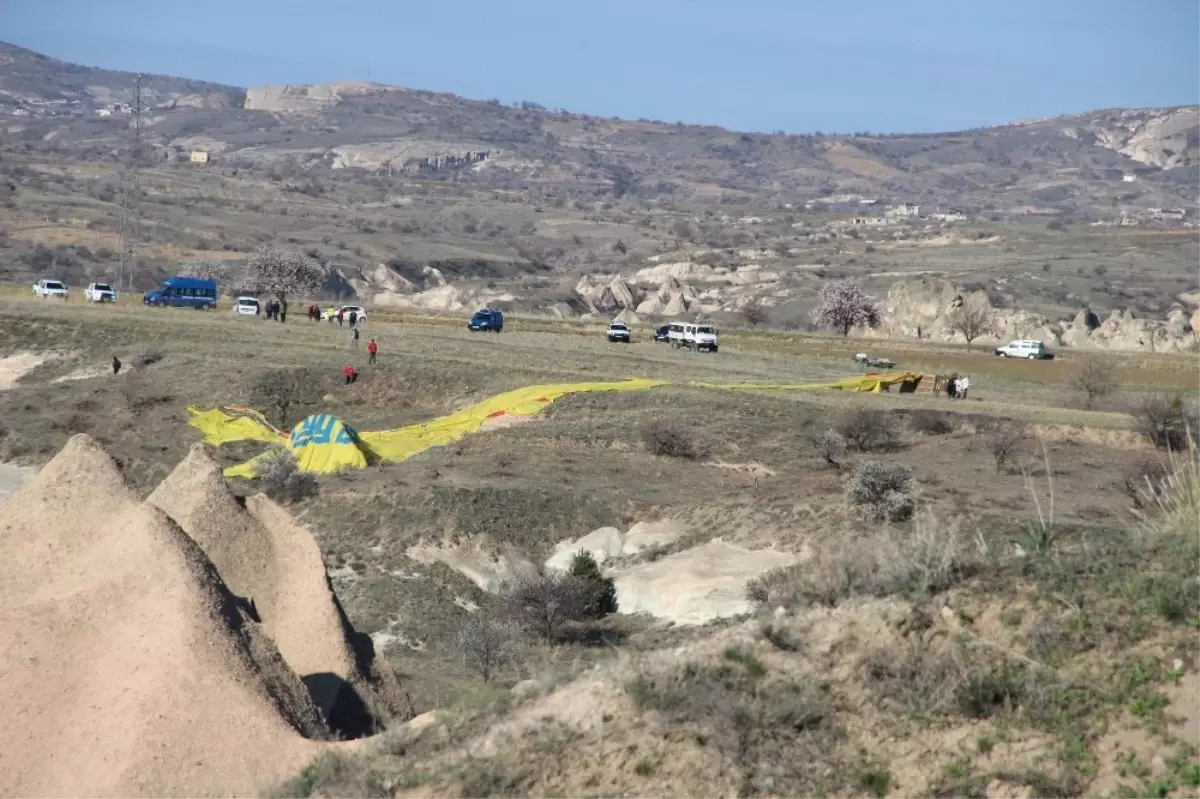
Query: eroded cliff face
x,y
927,307
296,98
1165,138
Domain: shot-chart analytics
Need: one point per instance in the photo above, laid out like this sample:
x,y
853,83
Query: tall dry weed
x,y
926,557
1171,504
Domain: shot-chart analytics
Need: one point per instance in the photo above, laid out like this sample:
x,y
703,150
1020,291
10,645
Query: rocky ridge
x,y
924,308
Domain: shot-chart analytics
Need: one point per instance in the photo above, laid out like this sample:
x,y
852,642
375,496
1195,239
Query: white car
x,y
619,331
330,314
246,306
1031,349
692,336
50,288
100,292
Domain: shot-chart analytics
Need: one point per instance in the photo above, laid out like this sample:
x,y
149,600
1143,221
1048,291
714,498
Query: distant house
x,y
903,211
198,157
1129,178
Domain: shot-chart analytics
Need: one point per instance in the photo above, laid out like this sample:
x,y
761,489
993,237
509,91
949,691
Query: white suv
x,y
100,292
693,337
360,312
50,288
1028,348
618,331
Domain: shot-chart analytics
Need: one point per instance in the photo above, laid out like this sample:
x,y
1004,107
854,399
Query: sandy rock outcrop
x,y
680,271
604,294
273,563
606,543
1165,138
697,585
488,571
219,100
407,155
314,97
130,667
925,307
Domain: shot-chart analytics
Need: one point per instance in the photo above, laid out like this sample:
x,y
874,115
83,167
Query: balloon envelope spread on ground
x,y
325,444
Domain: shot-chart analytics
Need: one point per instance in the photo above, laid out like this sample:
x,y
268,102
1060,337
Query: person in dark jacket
x,y
116,364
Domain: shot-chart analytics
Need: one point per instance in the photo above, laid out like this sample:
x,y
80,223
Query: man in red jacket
x,y
372,348
351,374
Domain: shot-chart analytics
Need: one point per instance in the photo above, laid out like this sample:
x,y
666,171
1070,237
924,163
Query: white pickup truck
x,y
100,292
50,288
693,336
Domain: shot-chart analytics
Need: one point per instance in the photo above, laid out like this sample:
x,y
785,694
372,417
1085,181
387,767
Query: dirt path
x,y
14,367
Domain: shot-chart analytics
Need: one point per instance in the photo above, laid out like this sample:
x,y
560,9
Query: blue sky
x,y
794,65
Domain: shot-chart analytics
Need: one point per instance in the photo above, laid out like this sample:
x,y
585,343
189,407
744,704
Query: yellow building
x,y
199,157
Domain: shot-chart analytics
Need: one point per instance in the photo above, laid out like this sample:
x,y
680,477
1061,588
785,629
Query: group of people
x,y
274,309
340,315
372,352
956,386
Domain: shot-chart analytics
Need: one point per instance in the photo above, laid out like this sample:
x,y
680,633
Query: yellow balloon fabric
x,y
323,443
867,382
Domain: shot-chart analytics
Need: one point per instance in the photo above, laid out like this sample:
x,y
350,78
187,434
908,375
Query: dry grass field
x,y
1031,631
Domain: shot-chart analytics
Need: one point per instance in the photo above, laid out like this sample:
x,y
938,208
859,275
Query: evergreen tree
x,y
600,594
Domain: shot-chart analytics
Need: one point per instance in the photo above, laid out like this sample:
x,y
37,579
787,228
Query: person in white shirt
x,y
961,385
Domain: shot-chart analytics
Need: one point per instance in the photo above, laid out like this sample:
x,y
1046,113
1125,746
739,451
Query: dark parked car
x,y
486,319
660,335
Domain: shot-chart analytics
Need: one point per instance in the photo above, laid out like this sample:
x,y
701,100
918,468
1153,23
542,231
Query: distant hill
x,y
1065,163
433,201
29,77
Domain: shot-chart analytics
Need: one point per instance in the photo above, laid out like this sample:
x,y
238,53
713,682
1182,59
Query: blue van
x,y
184,292
486,319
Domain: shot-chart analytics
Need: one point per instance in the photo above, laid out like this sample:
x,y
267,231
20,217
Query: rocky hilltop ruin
x,y
926,308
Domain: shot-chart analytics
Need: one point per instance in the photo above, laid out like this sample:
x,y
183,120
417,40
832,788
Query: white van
x,y
693,336
246,306
1031,349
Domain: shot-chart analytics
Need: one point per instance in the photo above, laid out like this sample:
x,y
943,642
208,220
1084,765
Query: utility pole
x,y
131,190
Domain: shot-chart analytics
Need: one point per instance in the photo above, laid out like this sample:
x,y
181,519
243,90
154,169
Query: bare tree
x,y
544,602
972,322
832,445
1096,379
283,274
755,313
843,305
1167,421
279,389
1005,441
487,644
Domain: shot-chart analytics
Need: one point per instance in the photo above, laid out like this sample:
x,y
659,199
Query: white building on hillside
x,y
903,211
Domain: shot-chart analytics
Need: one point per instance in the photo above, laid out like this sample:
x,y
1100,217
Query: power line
x,y
131,189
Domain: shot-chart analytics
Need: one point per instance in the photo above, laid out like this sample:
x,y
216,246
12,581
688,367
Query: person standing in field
x,y
962,385
354,337
341,316
353,318
372,350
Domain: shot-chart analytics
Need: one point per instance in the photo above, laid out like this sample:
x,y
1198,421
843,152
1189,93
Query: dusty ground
x,y
518,491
